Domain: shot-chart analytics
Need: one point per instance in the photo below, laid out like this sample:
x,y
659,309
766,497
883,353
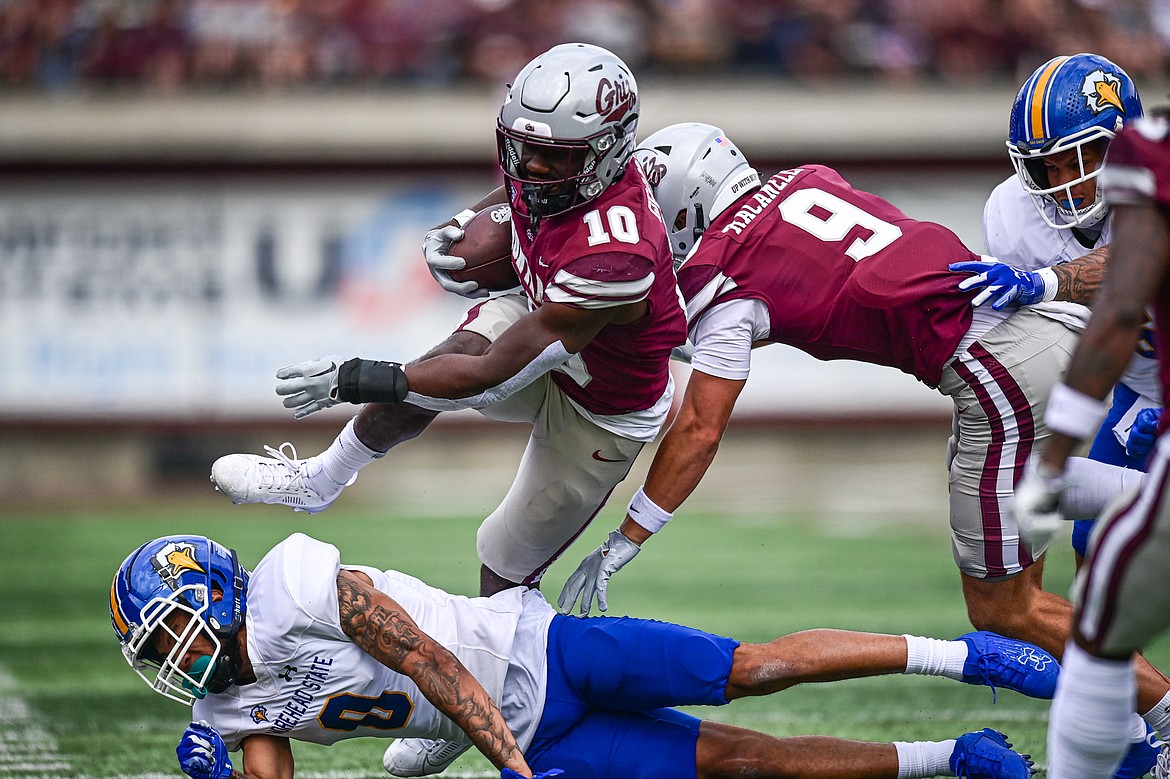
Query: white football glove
x,y
309,386
592,576
436,250
1035,506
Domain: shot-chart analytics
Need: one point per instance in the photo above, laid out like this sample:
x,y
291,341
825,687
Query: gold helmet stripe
x,y
116,611
1039,104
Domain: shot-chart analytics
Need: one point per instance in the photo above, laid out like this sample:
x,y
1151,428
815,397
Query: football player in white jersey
x,y
1050,231
307,648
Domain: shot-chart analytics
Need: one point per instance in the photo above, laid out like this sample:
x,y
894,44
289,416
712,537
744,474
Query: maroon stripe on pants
x,y
1021,420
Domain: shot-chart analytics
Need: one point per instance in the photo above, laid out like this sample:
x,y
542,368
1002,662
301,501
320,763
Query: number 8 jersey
x,y
314,684
843,274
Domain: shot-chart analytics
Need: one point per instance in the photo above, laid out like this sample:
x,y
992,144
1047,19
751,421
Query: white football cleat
x,y
410,757
281,478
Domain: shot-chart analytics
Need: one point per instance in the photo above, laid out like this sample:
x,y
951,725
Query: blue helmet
x,y
180,575
1068,103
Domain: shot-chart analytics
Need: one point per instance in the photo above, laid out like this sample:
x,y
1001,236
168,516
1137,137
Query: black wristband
x,y
370,381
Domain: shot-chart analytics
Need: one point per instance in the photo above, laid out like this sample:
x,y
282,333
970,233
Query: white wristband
x,y
647,513
1074,413
463,217
1051,284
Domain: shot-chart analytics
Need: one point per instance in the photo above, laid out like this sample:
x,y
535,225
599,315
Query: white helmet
x,y
576,106
696,172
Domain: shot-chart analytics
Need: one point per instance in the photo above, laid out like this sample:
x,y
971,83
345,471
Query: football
x,y
487,247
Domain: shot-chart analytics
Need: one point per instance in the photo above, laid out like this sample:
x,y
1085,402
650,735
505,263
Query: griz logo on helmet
x,y
614,99
653,171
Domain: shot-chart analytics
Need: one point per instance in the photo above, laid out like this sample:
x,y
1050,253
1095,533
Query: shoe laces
x,y
285,472
981,666
1162,767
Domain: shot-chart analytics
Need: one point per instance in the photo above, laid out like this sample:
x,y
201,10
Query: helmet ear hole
x,y
680,220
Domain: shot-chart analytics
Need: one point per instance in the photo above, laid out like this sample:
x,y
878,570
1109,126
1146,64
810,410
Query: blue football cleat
x,y
986,754
998,661
1141,757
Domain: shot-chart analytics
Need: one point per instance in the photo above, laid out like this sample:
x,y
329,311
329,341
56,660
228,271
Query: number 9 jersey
x,y
843,273
314,684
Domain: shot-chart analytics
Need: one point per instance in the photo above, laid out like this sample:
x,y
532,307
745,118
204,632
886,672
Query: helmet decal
x,y
1102,90
259,714
615,99
653,170
173,560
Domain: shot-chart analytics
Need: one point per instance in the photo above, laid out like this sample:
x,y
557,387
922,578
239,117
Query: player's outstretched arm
x,y
553,331
383,629
683,457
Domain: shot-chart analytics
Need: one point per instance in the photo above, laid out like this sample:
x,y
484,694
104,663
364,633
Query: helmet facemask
x,y
1057,204
175,618
573,169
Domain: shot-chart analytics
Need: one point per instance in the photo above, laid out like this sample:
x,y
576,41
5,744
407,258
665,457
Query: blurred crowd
x,y
185,46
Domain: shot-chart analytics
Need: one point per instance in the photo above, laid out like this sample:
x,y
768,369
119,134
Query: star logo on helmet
x,y
173,560
259,714
1102,91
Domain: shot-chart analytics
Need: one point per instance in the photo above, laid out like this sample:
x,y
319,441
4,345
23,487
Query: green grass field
x,y
69,706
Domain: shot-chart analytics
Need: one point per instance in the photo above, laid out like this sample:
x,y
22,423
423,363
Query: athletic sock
x,y
1090,486
920,759
1159,716
1091,717
935,657
346,456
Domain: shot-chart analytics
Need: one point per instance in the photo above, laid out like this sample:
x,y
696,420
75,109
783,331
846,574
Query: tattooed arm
x,y
386,632
1078,280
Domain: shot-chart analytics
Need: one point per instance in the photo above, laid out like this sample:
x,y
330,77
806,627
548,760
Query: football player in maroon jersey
x,y
1121,601
805,259
581,351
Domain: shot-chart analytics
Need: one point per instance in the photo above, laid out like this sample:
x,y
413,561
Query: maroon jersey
x,y
845,275
1139,172
609,252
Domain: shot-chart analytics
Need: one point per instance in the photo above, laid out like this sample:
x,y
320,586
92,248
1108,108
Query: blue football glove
x,y
1014,286
1143,432
202,753
508,773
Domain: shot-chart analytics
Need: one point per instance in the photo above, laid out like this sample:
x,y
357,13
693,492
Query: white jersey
x,y
1014,233
314,684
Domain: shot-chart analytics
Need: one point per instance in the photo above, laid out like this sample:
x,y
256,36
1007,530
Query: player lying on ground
x,y
310,649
